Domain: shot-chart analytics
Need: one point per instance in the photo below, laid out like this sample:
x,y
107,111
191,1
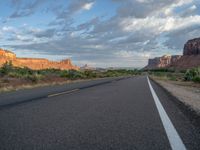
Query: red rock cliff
x,y
191,55
162,62
190,58
192,47
35,63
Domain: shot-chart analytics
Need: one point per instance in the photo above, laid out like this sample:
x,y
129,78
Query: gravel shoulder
x,y
188,93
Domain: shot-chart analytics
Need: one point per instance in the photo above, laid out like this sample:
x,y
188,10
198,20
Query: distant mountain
x,y
86,67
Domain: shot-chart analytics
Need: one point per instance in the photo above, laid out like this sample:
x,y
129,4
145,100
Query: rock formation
x,y
86,67
162,62
191,55
186,62
190,58
35,63
192,47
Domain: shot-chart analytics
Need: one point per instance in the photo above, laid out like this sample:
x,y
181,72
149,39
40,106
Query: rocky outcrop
x,y
192,47
162,62
7,54
86,67
190,58
35,63
191,55
186,62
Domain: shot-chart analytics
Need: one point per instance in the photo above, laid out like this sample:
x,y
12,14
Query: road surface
x,y
108,114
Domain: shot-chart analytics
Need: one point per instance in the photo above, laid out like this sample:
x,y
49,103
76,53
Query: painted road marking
x,y
61,93
174,139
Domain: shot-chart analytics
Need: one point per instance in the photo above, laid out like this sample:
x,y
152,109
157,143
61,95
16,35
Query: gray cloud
x,y
142,8
25,8
48,33
74,7
177,38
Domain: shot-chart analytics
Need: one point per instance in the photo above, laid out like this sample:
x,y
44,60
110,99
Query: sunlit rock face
x,y
7,54
35,63
162,62
192,47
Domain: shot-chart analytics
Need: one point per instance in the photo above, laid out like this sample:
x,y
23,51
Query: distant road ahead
x,y
108,114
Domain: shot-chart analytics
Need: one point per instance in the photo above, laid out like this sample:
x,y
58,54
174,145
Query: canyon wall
x,y
35,63
191,55
192,47
190,58
162,62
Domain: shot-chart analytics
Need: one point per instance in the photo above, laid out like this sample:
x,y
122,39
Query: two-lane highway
x,y
132,113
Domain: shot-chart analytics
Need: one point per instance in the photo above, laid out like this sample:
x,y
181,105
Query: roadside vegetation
x,y
193,75
174,75
15,76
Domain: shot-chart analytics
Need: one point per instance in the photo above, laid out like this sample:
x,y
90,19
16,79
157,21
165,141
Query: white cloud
x,y
158,25
8,29
129,54
168,10
87,6
193,7
142,1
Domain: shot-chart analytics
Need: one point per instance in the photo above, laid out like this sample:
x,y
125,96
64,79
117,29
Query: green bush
x,y
162,70
49,72
6,68
192,75
34,78
72,74
196,79
90,74
173,78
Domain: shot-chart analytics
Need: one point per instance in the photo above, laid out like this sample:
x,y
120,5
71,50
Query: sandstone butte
x,y
189,59
35,63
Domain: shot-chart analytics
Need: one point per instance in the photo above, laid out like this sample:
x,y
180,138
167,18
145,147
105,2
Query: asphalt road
x,y
107,114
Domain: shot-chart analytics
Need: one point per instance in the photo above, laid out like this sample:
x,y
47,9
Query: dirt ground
x,y
187,92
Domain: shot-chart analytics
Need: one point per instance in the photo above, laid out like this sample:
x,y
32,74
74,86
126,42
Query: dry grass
x,y
178,82
17,85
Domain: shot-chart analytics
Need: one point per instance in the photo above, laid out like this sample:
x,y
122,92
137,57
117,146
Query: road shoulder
x,y
186,97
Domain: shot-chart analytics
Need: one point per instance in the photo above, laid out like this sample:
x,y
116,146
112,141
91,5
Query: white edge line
x,y
173,137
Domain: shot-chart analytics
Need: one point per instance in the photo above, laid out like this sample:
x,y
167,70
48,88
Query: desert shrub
x,y
196,79
173,78
121,72
72,74
192,74
183,71
64,73
90,74
20,72
163,70
111,73
34,77
6,68
50,72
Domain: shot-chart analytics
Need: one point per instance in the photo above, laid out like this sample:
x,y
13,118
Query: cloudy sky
x,y
101,33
